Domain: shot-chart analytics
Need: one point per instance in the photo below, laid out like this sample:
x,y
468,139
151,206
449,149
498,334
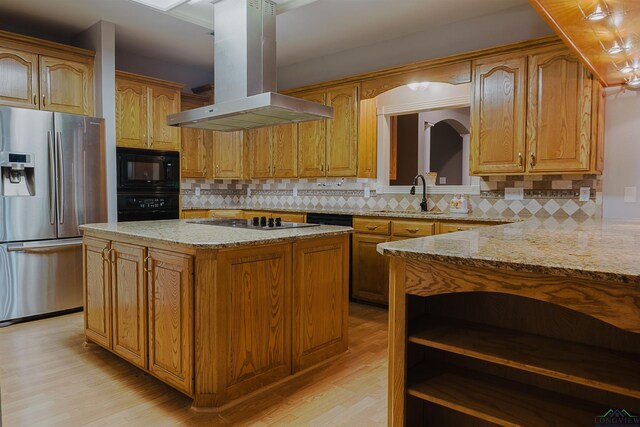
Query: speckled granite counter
x,y
598,249
182,233
439,216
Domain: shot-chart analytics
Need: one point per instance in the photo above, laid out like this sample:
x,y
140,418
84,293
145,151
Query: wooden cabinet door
x,y
97,296
131,114
228,154
498,110
170,302
164,102
320,300
193,143
19,79
312,143
260,151
66,86
129,304
255,341
370,269
368,139
284,149
559,113
342,132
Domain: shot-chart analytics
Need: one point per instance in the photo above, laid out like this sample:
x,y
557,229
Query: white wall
x,y
622,153
101,38
508,26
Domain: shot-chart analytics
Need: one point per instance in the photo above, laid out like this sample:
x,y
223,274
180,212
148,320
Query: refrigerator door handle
x,y
27,247
52,177
60,169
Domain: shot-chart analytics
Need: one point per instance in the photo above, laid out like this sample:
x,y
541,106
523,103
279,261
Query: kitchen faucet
x,y
423,203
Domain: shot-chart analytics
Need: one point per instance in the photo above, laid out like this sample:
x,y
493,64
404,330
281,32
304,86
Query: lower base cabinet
x,y
139,305
370,269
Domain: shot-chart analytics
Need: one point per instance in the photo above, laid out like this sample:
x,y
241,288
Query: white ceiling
x,y
313,30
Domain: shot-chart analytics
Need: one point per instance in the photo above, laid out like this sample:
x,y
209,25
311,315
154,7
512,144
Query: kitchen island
x,y
217,312
531,323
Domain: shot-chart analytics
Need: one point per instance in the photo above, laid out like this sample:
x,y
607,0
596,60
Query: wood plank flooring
x,y
48,378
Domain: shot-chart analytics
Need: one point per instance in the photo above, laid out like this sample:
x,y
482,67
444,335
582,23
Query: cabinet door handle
x,y
412,230
371,227
35,99
104,253
519,159
460,229
146,264
109,256
44,100
532,162
322,168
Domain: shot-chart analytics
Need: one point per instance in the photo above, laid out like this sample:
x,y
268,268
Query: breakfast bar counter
x,y
530,323
219,313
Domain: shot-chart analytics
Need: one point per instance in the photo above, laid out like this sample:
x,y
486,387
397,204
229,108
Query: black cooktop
x,y
251,224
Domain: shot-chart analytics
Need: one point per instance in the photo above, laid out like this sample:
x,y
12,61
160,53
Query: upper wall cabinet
x,y
330,147
499,111
43,75
535,112
195,143
274,152
228,155
142,106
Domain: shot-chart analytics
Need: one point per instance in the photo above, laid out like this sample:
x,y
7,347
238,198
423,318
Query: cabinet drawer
x,y
290,217
452,227
195,213
225,213
372,226
413,228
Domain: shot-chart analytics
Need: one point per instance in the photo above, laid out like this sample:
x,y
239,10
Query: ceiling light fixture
x,y
418,86
598,14
628,68
615,49
634,82
163,5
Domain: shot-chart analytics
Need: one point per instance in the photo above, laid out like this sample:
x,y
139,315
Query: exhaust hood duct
x,y
245,74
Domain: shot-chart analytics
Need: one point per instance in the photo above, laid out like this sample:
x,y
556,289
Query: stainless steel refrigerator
x,y
52,180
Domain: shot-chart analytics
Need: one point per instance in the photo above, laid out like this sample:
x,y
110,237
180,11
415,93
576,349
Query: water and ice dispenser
x,y
17,173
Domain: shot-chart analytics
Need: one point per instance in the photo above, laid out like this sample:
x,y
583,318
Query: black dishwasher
x,y
333,219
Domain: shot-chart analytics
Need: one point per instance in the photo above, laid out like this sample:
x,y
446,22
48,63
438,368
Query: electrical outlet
x,y
197,189
585,194
367,192
514,193
630,195
295,191
443,180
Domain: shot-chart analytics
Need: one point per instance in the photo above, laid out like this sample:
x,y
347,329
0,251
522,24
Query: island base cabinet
x,y
320,300
97,294
370,269
255,318
128,290
170,309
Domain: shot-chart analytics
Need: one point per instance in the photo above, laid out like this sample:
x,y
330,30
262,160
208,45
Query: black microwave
x,y
148,170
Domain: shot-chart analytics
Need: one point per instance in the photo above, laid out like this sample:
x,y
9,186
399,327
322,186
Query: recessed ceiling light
x,y
627,68
634,82
163,5
597,14
615,49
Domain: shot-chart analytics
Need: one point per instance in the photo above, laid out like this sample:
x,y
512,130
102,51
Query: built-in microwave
x,y
148,171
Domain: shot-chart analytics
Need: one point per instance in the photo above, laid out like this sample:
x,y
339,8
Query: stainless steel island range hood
x,y
245,74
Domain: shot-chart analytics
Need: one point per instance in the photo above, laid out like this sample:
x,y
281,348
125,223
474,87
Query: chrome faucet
x,y
423,203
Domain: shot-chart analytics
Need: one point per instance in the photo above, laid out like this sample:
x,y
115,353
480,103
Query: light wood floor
x,y
48,378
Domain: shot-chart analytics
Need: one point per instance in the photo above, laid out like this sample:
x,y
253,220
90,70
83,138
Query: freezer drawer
x,y
40,277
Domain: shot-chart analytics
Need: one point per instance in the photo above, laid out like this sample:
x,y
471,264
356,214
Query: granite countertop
x,y
597,249
440,216
183,233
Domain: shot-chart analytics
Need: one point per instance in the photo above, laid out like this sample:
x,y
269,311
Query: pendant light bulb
x,y
598,14
615,49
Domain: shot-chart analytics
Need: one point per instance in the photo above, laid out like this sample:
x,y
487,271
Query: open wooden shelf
x,y
582,364
499,401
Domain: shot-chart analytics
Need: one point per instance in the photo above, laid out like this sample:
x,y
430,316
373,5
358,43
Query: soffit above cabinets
x,y
605,34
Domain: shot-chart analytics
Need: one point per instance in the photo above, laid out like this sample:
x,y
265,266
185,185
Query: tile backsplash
x,y
544,196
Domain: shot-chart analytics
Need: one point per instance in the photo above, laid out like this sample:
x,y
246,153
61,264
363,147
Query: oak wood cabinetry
x,y
228,155
220,323
225,213
130,306
273,151
534,112
194,213
194,143
330,148
44,75
142,106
